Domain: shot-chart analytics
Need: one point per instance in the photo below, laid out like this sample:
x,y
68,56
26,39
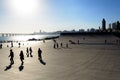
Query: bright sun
x,y
24,7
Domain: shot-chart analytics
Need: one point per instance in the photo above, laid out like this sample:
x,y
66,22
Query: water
x,y
26,37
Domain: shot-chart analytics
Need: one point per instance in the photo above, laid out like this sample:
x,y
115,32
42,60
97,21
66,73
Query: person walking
x,y
39,54
67,45
54,46
30,49
27,52
11,56
40,57
21,56
57,45
61,45
105,41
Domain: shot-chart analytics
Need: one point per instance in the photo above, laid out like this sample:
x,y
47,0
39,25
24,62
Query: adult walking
x,y
39,54
27,52
11,56
30,49
40,57
21,56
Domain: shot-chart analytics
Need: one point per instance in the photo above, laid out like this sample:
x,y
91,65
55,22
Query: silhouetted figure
x,y
105,41
30,49
40,57
11,56
21,57
54,45
57,45
61,44
11,60
19,44
21,67
39,54
67,45
27,52
0,46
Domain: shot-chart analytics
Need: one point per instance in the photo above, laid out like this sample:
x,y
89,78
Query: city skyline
x,y
53,15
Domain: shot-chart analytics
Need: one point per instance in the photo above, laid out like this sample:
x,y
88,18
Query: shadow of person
x,y
31,55
21,67
8,67
42,62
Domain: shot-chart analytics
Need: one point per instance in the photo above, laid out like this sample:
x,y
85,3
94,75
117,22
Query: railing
x,y
11,34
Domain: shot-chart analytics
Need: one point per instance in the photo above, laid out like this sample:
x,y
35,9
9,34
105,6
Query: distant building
x,y
103,25
73,30
118,25
92,30
110,28
81,30
114,26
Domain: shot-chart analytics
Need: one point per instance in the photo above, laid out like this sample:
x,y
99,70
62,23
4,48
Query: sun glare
x,y
24,7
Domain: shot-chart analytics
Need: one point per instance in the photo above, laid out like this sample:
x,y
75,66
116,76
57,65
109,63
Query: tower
x,y
103,25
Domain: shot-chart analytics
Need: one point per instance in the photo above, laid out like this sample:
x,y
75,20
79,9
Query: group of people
x,y
56,45
22,55
29,52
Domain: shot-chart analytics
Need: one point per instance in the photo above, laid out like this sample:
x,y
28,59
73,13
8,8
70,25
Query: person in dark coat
x,y
61,45
54,46
21,56
67,45
39,54
30,49
40,57
11,56
27,52
57,45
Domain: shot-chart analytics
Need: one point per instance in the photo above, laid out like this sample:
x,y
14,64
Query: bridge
x,y
12,34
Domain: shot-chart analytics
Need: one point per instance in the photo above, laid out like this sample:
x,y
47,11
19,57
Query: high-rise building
x,y
109,28
118,25
114,26
103,25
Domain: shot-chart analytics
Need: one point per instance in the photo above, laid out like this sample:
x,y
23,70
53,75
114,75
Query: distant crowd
x,y
59,45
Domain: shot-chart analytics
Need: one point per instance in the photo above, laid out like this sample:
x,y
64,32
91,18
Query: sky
x,y
27,16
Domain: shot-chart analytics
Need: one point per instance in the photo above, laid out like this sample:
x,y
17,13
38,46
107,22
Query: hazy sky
x,y
52,15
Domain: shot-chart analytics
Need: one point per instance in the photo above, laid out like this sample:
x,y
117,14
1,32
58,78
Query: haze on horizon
x,y
26,16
